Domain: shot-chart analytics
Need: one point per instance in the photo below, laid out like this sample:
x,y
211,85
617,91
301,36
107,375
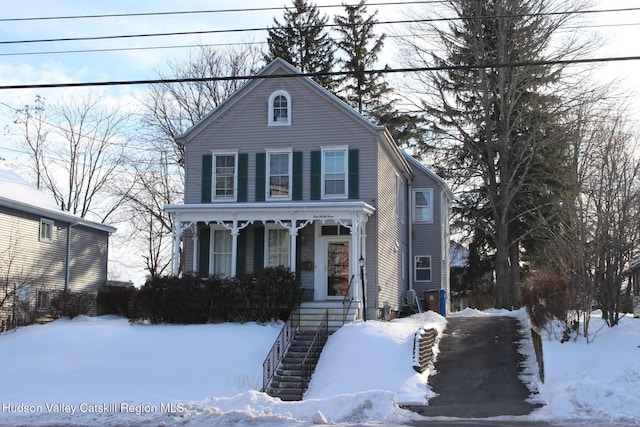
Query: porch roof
x,y
271,211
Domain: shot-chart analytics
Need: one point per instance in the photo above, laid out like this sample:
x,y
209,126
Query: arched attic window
x,y
279,109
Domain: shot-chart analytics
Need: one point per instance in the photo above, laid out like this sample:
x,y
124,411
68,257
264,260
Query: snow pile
x,y
111,373
597,381
105,371
374,356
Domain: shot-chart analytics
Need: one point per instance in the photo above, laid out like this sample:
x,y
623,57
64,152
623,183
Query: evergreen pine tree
x,y
369,93
303,41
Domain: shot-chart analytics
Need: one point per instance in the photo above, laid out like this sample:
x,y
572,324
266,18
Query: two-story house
x,y
285,173
44,251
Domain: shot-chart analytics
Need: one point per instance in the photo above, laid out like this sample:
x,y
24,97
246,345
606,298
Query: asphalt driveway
x,y
477,370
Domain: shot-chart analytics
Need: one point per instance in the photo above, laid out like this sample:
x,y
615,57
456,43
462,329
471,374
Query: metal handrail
x,y
317,344
279,348
346,305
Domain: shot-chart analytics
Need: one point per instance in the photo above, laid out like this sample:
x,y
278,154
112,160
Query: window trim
x,y
289,152
272,98
214,197
415,268
414,206
49,237
267,228
325,150
212,247
43,300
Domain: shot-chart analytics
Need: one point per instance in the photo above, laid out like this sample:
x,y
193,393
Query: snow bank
x,y
598,382
104,371
374,356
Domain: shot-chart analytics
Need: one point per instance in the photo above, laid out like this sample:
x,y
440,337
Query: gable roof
x,y
278,68
18,194
416,164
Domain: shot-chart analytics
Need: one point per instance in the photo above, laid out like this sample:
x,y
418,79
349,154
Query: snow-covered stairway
x,y
293,373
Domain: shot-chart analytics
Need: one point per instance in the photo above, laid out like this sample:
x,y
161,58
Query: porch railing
x,y
347,301
309,361
279,348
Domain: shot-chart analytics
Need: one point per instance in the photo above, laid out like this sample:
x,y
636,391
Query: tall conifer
x,y
303,41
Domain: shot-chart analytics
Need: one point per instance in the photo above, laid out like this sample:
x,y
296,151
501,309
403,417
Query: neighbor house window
x,y
222,252
279,173
43,300
46,230
279,108
334,172
422,269
423,205
225,168
277,247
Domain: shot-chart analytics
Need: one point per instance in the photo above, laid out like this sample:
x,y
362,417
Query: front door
x,y
337,268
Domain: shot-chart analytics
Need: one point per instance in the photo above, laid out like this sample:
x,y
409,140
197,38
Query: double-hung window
x,y
423,205
46,230
279,109
334,172
279,173
221,255
422,268
277,247
225,168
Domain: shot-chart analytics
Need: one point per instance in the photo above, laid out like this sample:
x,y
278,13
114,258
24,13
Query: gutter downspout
x,y
67,272
410,232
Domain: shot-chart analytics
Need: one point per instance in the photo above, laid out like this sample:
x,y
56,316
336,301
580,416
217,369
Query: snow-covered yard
x,y
104,371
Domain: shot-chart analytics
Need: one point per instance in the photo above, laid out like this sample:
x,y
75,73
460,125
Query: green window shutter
x,y
316,175
207,163
243,176
354,173
261,170
258,248
241,263
204,238
296,193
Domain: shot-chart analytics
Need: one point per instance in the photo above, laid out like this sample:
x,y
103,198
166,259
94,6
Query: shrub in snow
x,y
546,297
115,300
72,304
261,296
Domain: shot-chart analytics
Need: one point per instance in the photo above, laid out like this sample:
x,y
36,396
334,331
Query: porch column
x,y
194,262
293,234
362,239
177,231
355,258
234,248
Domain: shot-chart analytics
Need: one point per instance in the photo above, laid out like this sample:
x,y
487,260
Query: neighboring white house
x,y
285,173
43,251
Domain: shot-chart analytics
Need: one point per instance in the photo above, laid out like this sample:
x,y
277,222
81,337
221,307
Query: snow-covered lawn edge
x,y
104,371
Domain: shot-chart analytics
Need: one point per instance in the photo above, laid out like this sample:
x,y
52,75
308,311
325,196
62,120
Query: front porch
x,y
322,242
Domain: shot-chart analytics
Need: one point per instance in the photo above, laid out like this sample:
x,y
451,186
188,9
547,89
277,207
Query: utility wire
x,y
188,46
193,12
242,30
320,74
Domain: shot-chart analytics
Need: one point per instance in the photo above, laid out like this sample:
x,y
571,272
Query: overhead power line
x,y
188,46
333,73
195,12
242,30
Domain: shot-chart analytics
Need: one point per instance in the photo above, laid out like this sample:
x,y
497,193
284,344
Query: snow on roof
x,y
13,187
19,194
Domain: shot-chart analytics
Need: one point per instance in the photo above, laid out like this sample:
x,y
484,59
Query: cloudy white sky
x,y
24,63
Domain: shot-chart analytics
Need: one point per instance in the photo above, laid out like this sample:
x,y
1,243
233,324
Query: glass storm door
x,y
337,268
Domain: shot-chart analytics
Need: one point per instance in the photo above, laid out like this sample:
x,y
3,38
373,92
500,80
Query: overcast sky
x,y
622,39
